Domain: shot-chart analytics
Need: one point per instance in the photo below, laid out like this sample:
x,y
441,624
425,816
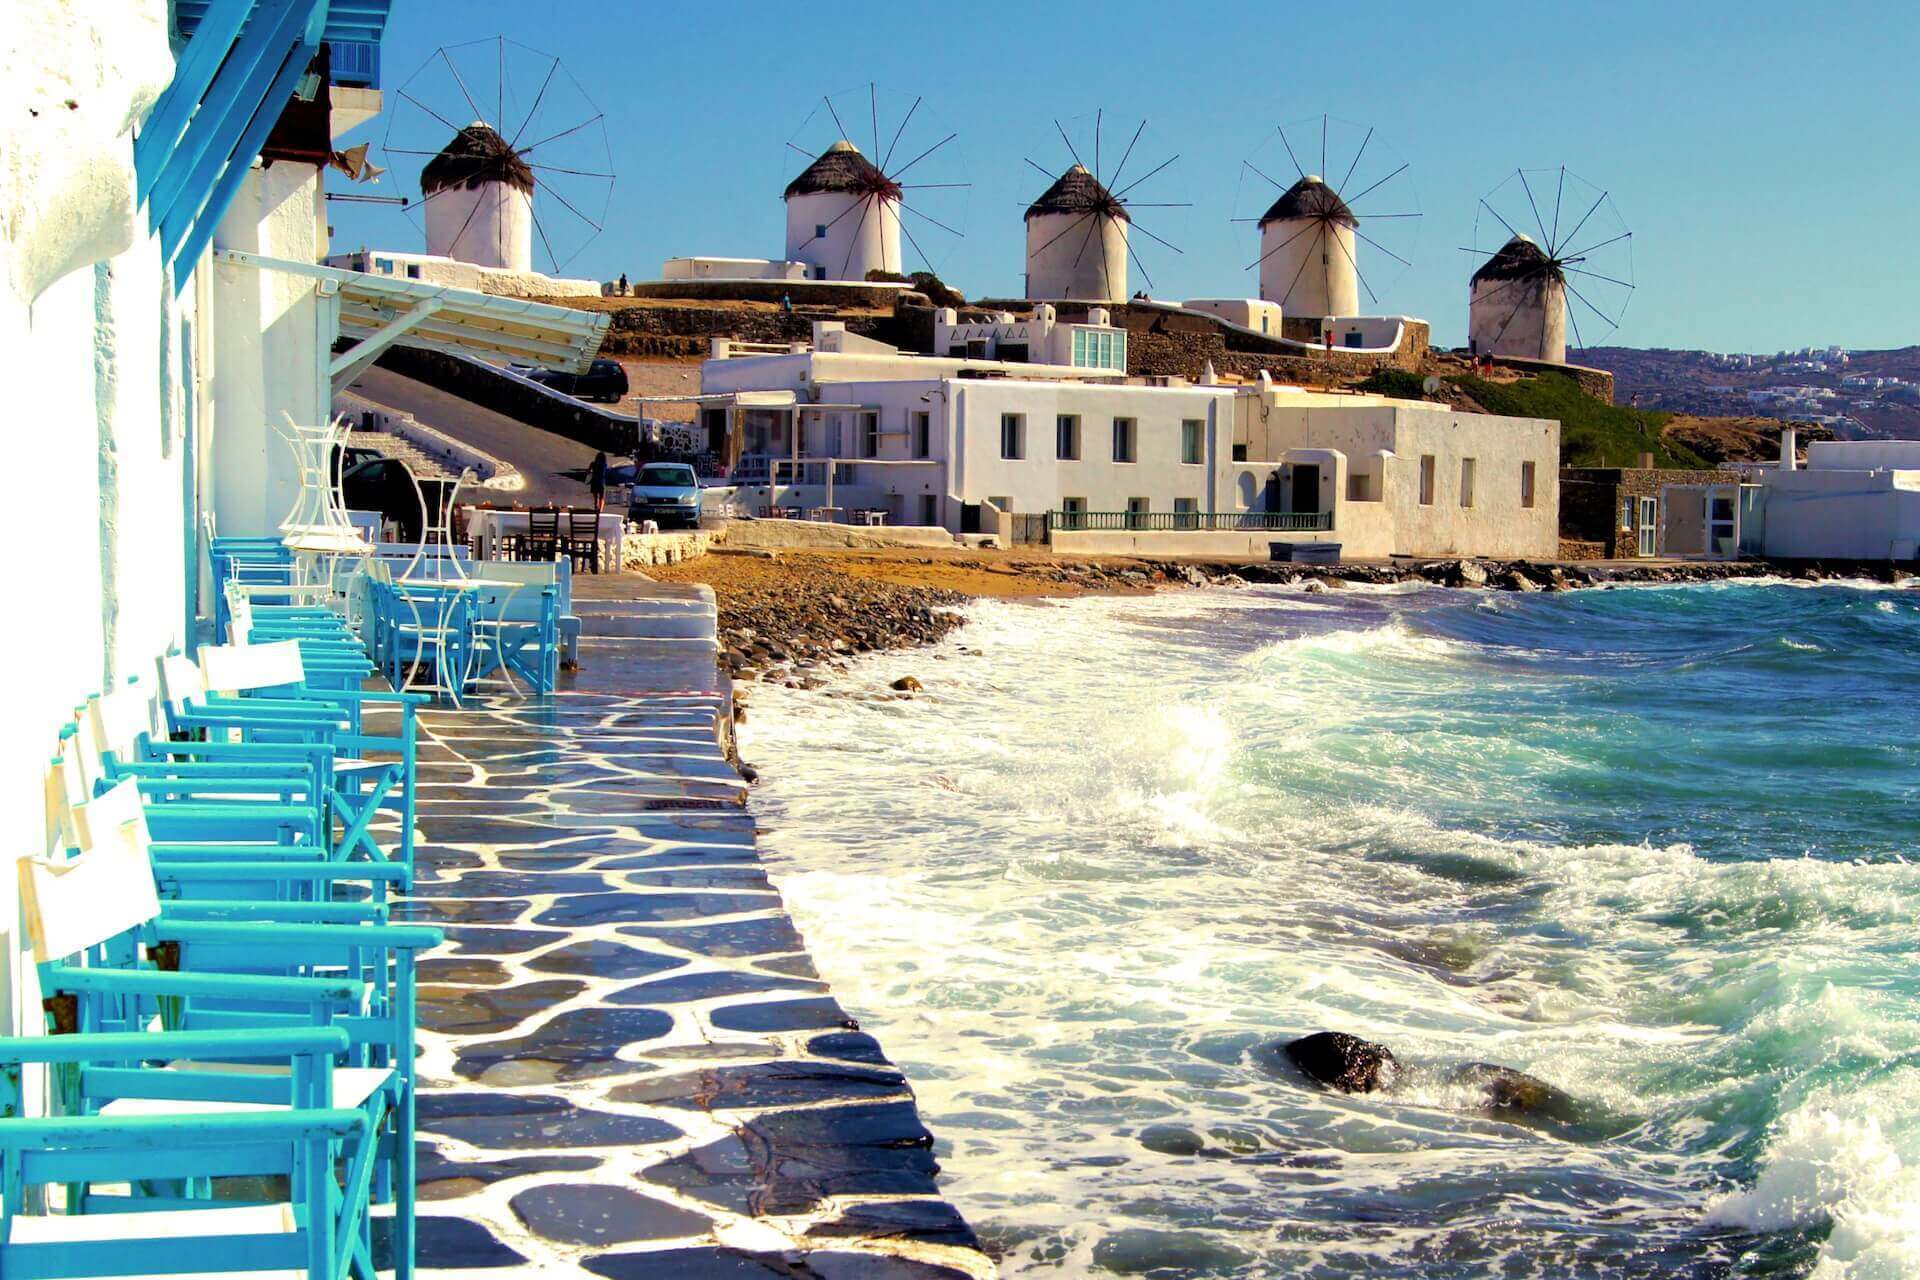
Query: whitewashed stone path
x,y
630,1066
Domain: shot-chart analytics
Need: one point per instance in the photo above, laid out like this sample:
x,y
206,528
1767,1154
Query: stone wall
x,y
1597,383
1590,499
836,294
683,332
1180,343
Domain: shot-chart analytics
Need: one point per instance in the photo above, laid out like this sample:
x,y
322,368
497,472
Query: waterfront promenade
x,y
630,1067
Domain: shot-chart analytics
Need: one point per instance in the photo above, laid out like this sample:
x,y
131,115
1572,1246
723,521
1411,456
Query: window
x,y
1239,453
869,435
383,265
1073,513
1190,433
1011,352
1526,484
1466,482
1123,439
1627,508
819,231
922,434
1359,487
413,271
1099,349
1002,503
1186,513
1137,512
976,348
819,273
1066,437
1426,479
1649,526
1013,429
957,351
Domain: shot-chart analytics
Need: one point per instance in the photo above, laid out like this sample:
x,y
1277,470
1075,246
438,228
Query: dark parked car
x,y
385,485
604,380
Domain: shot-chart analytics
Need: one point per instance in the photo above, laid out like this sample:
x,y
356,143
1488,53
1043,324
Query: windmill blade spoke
x,y
555,137
1068,230
1371,217
1282,131
551,256
478,114
1250,165
1157,240
1356,162
1122,166
535,108
1099,116
465,223
570,208
873,110
407,151
1583,218
1148,174
924,259
1069,141
1376,186
1538,221
1087,240
1144,275
1559,190
1579,339
1323,142
430,111
895,140
935,221
1348,254
1611,322
800,151
1287,296
922,156
1382,248
1501,332
1625,284
1106,269
1283,244
853,241
1158,204
578,173
1043,173
1502,221
795,247
835,114
1581,256
1500,288
933,186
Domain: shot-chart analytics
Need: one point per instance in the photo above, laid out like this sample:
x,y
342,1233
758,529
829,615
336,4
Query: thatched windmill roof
x,y
1077,192
1519,259
476,155
841,168
1309,198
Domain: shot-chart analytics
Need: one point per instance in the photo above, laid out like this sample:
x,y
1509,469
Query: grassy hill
x,y
1592,434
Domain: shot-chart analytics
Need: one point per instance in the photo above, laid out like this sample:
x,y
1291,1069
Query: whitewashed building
x,y
1093,461
1308,260
160,285
1519,304
1077,241
843,216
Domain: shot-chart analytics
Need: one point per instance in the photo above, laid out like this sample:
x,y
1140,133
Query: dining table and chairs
x,y
589,539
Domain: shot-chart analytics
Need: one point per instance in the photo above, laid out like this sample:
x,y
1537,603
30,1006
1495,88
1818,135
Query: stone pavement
x,y
630,1067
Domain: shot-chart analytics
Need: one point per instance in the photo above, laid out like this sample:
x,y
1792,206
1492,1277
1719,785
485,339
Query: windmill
x,y
1079,229
1310,235
532,138
844,209
1520,304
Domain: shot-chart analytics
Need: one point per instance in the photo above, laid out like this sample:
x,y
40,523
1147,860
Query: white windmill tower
x,y
533,166
844,209
1311,235
1079,230
478,194
1528,291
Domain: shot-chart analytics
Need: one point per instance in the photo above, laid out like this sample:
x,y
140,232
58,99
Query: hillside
x,y
1877,393
1592,434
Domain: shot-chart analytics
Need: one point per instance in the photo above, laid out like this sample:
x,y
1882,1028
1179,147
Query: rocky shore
x,y
797,617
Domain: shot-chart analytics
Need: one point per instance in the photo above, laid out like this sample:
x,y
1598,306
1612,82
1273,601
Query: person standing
x,y
597,480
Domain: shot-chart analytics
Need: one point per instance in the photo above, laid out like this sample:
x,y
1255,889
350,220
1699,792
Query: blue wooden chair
x,y
109,958
518,629
227,1123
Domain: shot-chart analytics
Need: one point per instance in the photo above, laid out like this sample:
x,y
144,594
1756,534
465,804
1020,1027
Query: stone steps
x,y
423,466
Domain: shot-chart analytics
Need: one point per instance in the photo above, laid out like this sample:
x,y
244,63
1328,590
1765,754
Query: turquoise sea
x,y
1656,846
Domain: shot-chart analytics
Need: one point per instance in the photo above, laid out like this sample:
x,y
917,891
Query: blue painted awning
x,y
239,64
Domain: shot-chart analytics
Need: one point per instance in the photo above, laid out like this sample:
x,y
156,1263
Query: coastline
x,y
794,617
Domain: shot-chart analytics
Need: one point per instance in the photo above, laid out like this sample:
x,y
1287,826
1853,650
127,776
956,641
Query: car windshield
x,y
654,473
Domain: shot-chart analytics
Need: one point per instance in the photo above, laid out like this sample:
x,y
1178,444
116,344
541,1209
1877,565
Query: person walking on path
x,y
597,480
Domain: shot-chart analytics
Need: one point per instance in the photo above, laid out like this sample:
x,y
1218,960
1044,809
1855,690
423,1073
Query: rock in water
x,y
1340,1061
1515,1095
907,684
1469,573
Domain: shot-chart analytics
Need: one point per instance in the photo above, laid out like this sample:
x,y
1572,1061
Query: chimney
x,y
1646,462
1789,448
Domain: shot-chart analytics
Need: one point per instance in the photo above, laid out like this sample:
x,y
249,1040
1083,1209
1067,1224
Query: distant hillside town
x,y
1861,395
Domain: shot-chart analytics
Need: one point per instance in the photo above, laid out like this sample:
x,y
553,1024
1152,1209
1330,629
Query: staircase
x,y
422,466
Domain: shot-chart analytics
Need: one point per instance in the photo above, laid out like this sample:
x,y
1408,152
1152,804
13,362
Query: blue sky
x,y
1763,154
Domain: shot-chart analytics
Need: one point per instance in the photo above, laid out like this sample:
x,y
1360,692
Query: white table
x,y
488,527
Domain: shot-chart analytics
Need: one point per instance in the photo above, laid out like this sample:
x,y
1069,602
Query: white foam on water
x,y
1069,895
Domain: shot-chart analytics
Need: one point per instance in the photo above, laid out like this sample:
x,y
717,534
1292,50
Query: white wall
x,y
732,269
1524,318
864,240
1070,257
88,321
490,225
272,334
1850,515
1249,313
1309,267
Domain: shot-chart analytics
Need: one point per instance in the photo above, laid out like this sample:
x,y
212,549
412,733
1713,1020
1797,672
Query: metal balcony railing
x,y
1197,521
